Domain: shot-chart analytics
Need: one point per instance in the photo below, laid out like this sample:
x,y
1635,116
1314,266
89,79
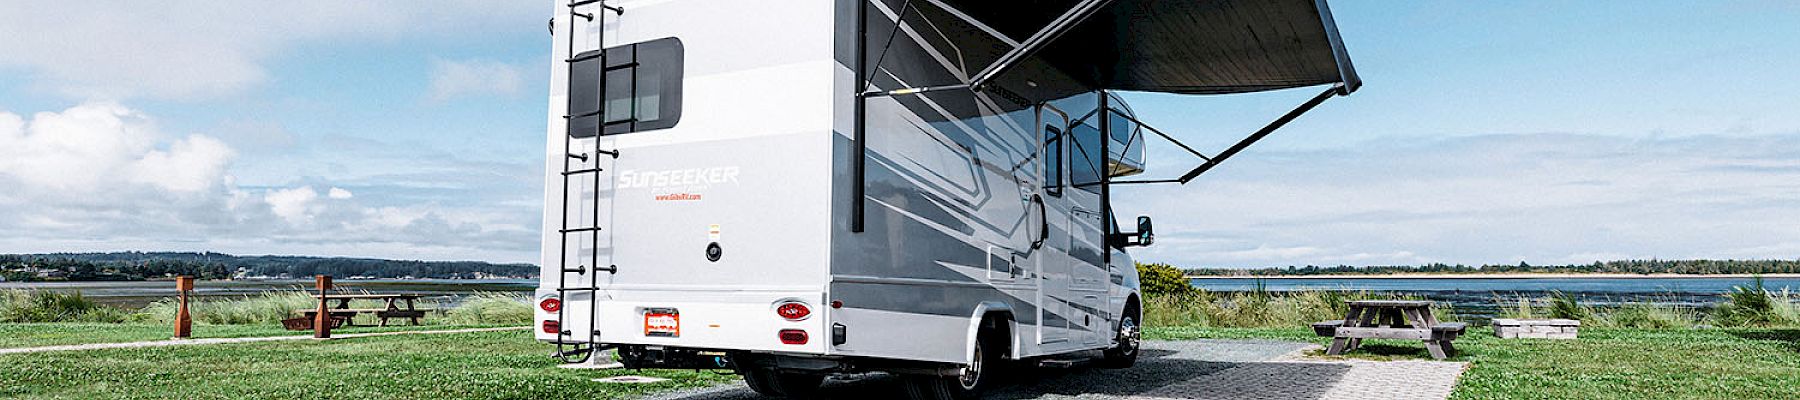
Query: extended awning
x,y
1168,46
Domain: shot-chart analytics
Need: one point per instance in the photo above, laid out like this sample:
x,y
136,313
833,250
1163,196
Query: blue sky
x,y
1546,132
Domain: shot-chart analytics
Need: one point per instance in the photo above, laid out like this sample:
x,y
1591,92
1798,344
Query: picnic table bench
x,y
399,305
1390,319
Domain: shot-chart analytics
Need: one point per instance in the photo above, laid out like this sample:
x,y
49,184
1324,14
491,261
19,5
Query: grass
x,y
472,365
1602,364
45,306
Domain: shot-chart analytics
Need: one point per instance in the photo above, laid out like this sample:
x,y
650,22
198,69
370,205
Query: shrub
x,y
1750,306
1566,306
1163,279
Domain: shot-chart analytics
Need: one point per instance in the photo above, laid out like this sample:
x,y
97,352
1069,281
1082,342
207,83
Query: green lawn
x,y
495,365
54,334
1602,364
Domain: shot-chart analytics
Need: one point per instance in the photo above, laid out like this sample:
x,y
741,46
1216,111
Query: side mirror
x,y
1146,234
1143,237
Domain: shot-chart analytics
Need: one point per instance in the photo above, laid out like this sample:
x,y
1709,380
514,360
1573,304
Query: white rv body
x,y
742,177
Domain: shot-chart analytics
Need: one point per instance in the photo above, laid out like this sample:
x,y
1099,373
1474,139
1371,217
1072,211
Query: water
x,y
1478,297
137,294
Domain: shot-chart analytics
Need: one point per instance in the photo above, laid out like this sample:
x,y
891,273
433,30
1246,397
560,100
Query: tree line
x,y
1652,266
130,266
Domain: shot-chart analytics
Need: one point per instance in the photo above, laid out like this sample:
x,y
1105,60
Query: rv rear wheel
x,y
975,378
775,382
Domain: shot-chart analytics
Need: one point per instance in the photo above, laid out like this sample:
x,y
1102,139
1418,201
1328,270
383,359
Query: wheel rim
x,y
1129,335
971,374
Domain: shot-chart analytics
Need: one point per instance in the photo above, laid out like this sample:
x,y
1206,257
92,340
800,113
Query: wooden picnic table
x,y
397,305
1390,319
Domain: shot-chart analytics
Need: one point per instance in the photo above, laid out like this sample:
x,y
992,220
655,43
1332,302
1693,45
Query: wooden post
x,y
184,322
322,319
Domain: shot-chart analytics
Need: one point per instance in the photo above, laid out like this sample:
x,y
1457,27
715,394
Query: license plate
x,y
662,322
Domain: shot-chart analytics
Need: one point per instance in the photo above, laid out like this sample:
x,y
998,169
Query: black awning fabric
x,y
1185,46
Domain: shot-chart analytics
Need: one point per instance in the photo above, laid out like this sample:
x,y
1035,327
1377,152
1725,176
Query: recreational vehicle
x,y
792,189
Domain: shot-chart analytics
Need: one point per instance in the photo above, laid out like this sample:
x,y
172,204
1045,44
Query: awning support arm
x,y
1334,90
1061,25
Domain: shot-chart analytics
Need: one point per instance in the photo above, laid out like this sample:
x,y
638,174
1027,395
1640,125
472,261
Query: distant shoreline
x,y
1494,276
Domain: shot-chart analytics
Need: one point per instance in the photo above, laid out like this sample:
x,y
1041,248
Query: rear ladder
x,y
571,351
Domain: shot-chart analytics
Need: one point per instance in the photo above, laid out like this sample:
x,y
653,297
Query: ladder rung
x,y
590,289
581,171
586,229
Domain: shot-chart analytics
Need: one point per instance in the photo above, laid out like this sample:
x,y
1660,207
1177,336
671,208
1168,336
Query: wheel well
x,y
1133,309
999,323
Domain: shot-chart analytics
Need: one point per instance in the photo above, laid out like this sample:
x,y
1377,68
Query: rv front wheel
x,y
1124,353
773,382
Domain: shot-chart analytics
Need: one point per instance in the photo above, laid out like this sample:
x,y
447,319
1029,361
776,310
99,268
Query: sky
x,y
1502,132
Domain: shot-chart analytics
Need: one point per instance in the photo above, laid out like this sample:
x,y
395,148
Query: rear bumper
x,y
725,320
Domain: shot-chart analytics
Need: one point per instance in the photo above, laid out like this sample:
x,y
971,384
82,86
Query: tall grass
x,y
267,308
20,306
1258,308
491,309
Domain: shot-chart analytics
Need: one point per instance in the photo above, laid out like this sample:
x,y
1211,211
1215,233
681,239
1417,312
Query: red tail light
x,y
793,336
552,327
550,304
793,311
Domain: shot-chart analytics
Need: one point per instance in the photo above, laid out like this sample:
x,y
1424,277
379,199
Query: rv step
x,y
581,171
586,229
1061,363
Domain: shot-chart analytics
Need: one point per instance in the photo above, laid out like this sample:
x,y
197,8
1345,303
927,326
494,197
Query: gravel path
x,y
189,342
1197,369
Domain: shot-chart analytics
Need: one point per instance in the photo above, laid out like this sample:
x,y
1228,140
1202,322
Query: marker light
x,y
793,336
793,311
552,327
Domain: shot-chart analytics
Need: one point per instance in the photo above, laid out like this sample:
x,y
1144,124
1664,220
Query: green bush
x,y
1753,306
1566,306
1163,279
21,306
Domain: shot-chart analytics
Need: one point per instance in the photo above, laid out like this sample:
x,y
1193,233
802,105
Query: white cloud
x,y
1539,198
452,79
194,49
100,176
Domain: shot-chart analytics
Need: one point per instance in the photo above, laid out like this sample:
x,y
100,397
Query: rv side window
x,y
1053,161
1085,158
641,84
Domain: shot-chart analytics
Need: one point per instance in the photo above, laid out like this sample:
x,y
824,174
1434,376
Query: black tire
x,y
773,382
975,379
1124,353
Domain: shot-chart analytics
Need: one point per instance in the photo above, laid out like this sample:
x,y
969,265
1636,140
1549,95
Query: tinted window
x,y
1053,161
641,83
1085,158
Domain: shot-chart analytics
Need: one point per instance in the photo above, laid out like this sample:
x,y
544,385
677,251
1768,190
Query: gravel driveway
x,y
1196,369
